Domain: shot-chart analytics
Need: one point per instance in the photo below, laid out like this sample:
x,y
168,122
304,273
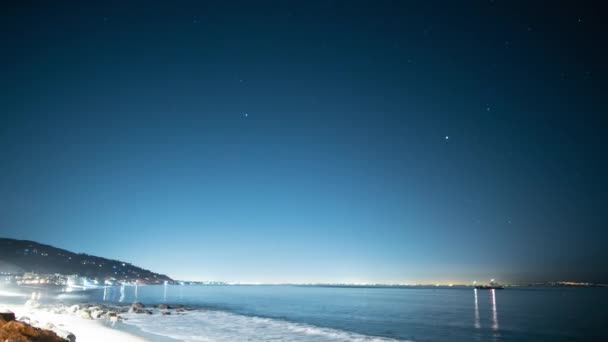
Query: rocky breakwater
x,y
111,312
91,311
160,309
12,330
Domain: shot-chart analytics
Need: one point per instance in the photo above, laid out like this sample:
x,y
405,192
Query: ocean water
x,y
306,313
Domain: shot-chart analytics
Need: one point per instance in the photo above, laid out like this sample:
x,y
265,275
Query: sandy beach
x,y
83,329
64,320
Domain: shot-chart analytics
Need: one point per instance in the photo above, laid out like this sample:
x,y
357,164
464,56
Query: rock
x,y
48,326
136,308
97,314
164,307
11,339
73,308
66,335
21,332
94,308
111,314
149,312
166,313
24,319
84,314
138,305
19,329
7,315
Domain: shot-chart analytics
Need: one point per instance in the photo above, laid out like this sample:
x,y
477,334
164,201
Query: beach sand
x,y
85,330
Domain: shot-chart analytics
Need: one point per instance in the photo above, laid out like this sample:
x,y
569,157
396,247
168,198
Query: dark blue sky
x,y
359,141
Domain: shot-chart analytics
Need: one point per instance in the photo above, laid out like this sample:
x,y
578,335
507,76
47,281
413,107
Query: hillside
x,y
31,256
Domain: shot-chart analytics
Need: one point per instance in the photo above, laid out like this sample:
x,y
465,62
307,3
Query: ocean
x,y
309,313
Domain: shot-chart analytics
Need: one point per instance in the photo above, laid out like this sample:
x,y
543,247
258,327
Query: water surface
x,y
296,313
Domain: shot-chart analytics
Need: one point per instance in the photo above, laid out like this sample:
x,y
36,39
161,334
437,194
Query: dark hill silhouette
x,y
30,256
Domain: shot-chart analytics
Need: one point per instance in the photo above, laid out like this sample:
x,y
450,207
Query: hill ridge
x,y
32,256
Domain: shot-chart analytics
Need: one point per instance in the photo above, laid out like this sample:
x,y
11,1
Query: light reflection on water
x,y
494,312
477,324
122,294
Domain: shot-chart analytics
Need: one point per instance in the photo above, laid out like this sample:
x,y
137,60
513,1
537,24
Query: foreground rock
x,y
65,335
7,315
15,331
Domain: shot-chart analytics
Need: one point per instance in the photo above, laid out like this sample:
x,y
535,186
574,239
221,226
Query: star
x,y
447,137
246,114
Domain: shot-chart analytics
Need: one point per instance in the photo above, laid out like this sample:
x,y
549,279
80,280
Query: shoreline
x,y
84,321
88,330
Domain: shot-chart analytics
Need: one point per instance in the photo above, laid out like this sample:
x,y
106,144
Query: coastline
x,y
88,330
89,322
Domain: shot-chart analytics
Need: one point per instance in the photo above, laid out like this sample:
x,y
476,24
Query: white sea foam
x,y
220,326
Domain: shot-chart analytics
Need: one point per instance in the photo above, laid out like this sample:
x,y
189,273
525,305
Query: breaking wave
x,y
221,326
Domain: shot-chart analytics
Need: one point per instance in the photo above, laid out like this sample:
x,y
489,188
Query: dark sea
x,y
307,313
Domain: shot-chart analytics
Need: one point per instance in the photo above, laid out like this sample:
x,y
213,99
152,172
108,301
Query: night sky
x,y
309,141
